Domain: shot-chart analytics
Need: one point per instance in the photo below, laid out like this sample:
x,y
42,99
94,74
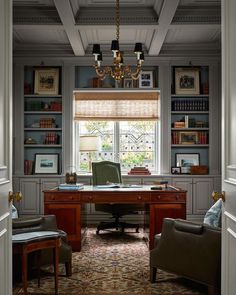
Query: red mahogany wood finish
x,y
68,206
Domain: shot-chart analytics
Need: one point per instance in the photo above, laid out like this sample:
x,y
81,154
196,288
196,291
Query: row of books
x,y
187,122
190,105
28,167
70,187
51,138
38,105
139,171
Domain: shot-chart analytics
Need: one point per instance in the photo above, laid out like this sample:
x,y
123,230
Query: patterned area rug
x,y
113,264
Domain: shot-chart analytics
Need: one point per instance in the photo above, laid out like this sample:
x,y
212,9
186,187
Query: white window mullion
x,y
116,141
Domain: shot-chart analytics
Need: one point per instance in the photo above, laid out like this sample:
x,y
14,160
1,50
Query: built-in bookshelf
x,y
190,105
42,114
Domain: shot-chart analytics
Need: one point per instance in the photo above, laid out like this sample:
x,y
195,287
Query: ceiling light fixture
x,y
119,70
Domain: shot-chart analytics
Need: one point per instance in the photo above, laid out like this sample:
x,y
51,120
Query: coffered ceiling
x,y
71,27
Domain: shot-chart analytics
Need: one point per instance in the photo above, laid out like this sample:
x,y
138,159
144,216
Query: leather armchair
x,y
103,173
41,223
190,250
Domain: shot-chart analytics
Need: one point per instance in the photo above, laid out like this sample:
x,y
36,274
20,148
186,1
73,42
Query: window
x,y
132,143
126,122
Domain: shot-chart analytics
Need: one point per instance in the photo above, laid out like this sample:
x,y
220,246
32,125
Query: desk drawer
x,y
67,197
119,197
176,197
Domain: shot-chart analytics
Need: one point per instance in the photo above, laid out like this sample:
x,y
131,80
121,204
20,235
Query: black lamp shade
x,y
96,49
100,57
115,45
138,48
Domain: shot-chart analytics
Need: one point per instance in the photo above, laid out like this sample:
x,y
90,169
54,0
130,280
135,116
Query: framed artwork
x,y
185,161
187,81
146,79
46,81
188,137
128,83
175,170
46,164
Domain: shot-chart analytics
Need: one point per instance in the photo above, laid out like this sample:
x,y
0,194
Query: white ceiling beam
x,y
165,18
67,17
186,26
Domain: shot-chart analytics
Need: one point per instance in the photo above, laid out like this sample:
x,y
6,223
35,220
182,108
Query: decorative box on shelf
x,y
199,170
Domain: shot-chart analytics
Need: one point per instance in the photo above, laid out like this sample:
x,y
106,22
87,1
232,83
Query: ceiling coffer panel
x,y
35,15
106,16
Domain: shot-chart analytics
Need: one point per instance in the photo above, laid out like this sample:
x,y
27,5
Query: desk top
x,y
121,188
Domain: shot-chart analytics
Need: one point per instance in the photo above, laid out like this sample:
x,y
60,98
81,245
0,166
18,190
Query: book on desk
x,y
72,187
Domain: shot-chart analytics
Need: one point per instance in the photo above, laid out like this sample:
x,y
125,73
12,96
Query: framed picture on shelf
x,y
186,160
188,137
46,164
46,81
146,79
128,83
187,81
175,170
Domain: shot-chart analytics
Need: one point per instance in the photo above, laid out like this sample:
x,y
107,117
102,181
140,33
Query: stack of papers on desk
x,y
118,185
72,187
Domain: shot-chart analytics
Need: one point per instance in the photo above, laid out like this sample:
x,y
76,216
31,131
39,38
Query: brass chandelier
x,y
119,70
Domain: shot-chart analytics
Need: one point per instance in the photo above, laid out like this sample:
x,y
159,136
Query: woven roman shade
x,y
116,105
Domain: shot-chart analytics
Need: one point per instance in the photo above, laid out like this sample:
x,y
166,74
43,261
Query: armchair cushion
x,y
213,215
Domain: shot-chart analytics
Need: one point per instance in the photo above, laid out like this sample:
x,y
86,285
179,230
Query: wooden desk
x,y
68,207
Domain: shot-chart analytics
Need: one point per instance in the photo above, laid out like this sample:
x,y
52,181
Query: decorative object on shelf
x,y
146,79
89,144
46,81
30,140
128,83
71,178
46,164
119,70
186,160
175,170
187,81
199,170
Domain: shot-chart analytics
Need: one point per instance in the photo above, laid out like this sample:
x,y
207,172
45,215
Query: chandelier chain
x,y
117,20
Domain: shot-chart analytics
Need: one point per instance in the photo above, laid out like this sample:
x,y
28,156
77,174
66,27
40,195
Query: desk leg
x,y
55,261
24,269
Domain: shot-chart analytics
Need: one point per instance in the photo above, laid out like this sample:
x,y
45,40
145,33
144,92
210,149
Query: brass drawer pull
x,y
139,197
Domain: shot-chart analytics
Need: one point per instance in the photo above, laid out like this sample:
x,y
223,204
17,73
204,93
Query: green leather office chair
x,y
104,172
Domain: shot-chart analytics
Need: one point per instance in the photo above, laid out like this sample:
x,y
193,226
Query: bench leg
x,y
24,270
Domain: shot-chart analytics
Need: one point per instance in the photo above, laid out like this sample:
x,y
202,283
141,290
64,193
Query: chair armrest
x,y
24,222
187,226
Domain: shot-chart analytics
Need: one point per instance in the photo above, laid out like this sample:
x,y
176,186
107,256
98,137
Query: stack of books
x,y
139,171
70,187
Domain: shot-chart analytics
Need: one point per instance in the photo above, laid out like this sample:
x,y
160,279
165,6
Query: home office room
x,y
118,172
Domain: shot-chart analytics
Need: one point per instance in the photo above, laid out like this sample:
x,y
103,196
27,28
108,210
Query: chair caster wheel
x,y
97,232
137,230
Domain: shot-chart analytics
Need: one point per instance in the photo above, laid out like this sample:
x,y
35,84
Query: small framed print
x,y
175,170
128,83
185,161
146,79
46,164
46,81
188,137
187,81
